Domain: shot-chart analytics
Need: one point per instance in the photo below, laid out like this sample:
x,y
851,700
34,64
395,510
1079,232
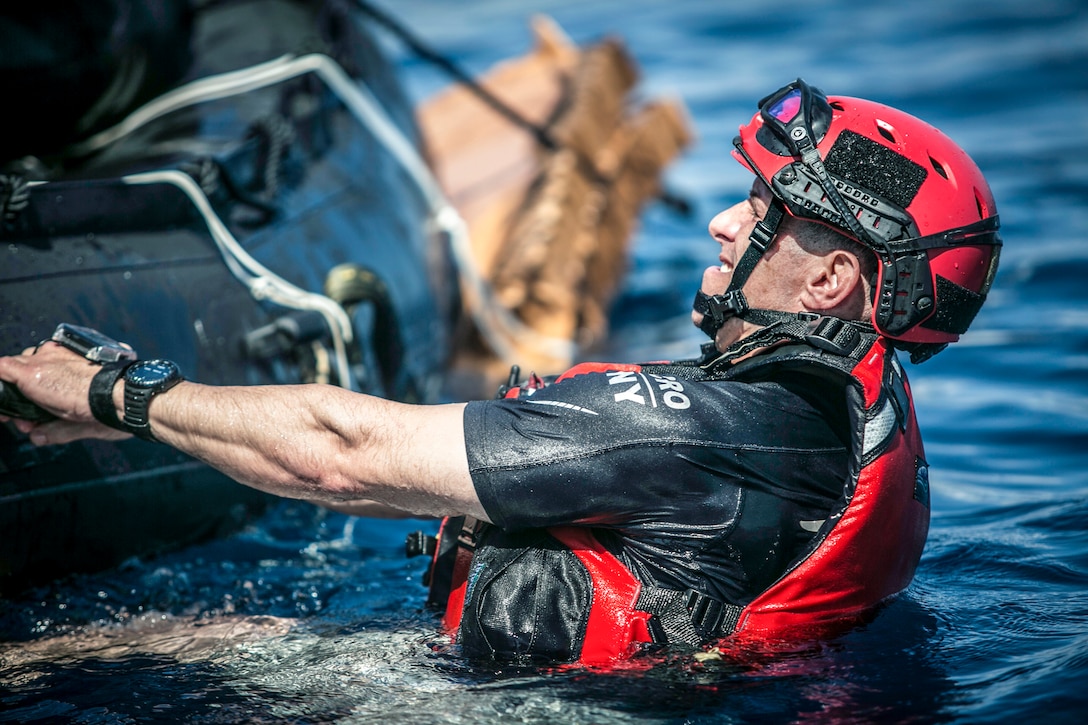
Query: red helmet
x,y
899,187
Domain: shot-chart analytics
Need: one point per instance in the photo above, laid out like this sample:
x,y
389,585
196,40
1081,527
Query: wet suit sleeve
x,y
620,449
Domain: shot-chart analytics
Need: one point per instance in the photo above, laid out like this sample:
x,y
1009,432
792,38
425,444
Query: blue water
x,y
311,617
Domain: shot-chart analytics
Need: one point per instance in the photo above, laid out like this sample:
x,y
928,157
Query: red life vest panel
x,y
864,553
868,551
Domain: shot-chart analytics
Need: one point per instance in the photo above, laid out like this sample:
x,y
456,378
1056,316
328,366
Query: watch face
x,y
152,372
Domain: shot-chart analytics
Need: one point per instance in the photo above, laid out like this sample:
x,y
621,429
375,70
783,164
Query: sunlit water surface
x,y
309,616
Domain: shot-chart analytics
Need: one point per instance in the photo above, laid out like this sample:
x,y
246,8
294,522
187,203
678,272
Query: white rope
x,y
263,284
496,323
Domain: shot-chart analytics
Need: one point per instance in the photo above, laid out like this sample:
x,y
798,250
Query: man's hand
x,y
58,380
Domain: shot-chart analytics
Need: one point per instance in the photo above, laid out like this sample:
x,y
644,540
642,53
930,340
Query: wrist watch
x,y
143,381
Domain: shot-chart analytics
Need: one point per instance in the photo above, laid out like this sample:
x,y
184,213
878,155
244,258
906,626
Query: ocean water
x,y
313,617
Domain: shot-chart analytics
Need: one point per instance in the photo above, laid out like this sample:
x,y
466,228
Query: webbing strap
x,y
14,198
689,617
832,334
760,239
462,563
980,232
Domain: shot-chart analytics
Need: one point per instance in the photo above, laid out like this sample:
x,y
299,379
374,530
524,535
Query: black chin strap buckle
x,y
717,309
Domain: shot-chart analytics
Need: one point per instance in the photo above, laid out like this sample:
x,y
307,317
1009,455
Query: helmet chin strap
x,y
716,309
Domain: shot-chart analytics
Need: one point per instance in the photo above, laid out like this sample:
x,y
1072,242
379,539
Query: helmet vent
x,y
983,211
836,105
938,167
886,131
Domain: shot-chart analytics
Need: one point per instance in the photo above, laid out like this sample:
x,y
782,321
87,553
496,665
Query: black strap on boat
x,y
276,135
541,134
688,617
14,197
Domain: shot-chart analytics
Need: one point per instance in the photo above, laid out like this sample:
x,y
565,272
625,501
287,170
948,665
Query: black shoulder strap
x,y
843,338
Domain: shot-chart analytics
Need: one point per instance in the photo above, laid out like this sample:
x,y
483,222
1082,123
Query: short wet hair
x,y
817,238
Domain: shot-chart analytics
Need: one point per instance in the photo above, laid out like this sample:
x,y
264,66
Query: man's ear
x,y
832,282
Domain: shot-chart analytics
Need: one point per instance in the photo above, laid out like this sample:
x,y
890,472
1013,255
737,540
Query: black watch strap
x,y
100,396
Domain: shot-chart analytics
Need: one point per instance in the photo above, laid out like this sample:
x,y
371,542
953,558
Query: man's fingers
x,y
60,432
57,380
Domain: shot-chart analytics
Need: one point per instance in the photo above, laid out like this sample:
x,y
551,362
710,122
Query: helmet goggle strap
x,y
798,116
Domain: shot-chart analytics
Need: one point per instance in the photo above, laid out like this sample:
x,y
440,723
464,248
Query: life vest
x,y
865,552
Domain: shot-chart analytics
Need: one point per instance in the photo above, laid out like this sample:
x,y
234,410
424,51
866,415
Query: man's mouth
x,y
716,279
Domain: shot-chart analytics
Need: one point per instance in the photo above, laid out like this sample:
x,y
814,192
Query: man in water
x,y
774,488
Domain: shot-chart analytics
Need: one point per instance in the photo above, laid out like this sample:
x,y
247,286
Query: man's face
x,y
776,281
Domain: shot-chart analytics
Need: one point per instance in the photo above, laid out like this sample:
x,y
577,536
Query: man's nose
x,y
725,226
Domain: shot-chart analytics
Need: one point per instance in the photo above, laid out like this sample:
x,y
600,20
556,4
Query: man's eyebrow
x,y
758,188
756,202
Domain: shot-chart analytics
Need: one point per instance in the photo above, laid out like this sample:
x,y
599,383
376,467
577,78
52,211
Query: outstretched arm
x,y
305,441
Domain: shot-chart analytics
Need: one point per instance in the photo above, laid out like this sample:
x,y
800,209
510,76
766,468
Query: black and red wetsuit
x,y
653,490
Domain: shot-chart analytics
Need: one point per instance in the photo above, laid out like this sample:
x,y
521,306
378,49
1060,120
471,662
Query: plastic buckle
x,y
418,543
470,530
716,309
727,305
707,614
761,235
831,334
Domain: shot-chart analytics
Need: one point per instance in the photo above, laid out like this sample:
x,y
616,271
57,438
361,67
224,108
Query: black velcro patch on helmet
x,y
956,308
875,168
